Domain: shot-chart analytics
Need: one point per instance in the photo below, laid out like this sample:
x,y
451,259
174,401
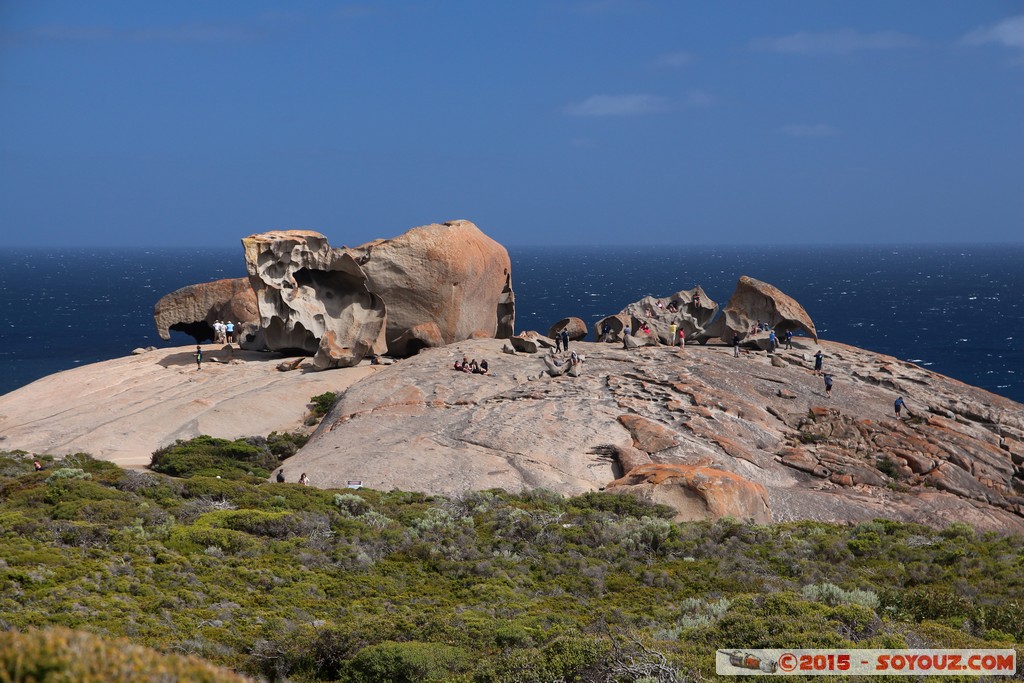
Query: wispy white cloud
x,y
596,6
618,105
843,41
192,33
812,130
674,60
637,104
355,11
183,33
697,99
1008,33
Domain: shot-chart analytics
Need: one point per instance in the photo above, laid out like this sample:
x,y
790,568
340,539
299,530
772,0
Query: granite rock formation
x,y
305,290
450,274
755,301
710,434
609,330
689,310
697,492
194,309
574,327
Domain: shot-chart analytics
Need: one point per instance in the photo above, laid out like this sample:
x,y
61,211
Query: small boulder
x,y
576,328
697,492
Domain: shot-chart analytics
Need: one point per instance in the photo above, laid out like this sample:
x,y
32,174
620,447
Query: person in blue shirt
x,y
817,362
899,405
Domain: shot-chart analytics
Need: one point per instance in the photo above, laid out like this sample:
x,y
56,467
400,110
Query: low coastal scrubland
x,y
286,582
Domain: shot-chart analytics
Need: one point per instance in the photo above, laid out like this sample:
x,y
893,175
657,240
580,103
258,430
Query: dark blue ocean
x,y
956,310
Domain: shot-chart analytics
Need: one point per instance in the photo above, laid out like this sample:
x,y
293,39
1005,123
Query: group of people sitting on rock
x,y
471,366
224,332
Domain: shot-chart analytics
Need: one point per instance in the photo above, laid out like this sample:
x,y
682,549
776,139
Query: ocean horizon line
x,y
652,245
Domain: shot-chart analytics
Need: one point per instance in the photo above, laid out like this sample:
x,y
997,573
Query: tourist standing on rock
x,y
735,346
558,342
789,339
229,331
682,337
199,358
817,362
625,336
672,334
606,329
565,339
898,406
773,341
828,385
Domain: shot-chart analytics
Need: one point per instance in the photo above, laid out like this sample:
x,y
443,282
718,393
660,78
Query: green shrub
x,y
208,456
60,654
68,473
411,662
351,504
833,595
321,404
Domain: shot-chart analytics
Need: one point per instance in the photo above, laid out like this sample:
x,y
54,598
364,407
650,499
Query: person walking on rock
x,y
828,385
735,346
565,339
773,341
898,406
672,334
625,335
789,339
199,358
558,343
817,362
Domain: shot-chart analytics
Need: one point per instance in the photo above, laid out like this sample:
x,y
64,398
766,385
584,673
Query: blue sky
x,y
559,122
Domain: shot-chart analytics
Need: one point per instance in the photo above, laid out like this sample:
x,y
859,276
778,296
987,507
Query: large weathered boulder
x,y
450,274
305,289
697,492
689,310
574,327
755,301
194,309
423,336
610,329
506,310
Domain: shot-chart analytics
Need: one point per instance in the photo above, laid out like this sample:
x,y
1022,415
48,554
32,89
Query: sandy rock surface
x,y
420,425
124,409
753,437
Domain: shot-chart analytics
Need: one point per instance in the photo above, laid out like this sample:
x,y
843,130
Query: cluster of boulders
x,y
431,286
754,311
